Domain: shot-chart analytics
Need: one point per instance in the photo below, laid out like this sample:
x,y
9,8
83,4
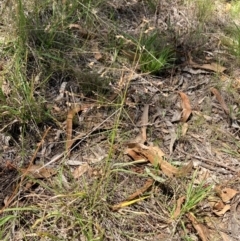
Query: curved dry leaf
x,y
178,208
155,155
223,211
157,151
186,106
227,194
133,154
202,230
70,115
217,205
171,171
168,169
212,66
220,100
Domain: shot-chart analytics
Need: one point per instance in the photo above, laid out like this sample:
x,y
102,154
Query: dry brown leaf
x,y
202,230
186,106
70,115
220,100
37,171
157,151
178,208
133,154
219,205
168,169
155,155
226,194
140,191
79,171
212,66
223,211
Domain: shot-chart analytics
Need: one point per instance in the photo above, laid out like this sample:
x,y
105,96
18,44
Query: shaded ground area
x,y
108,152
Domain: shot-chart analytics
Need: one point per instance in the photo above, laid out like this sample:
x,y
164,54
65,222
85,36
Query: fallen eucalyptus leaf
x,y
186,106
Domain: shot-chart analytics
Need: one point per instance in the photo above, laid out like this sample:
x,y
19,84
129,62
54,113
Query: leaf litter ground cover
x,y
145,158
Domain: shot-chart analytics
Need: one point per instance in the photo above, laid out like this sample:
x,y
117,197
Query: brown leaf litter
x,y
169,153
155,155
201,229
186,106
